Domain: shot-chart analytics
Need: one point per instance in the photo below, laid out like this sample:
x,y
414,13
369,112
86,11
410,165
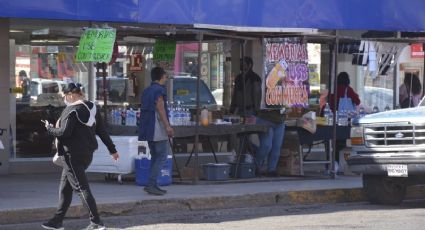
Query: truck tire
x,y
383,189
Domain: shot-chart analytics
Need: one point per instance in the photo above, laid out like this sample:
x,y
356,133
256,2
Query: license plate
x,y
397,170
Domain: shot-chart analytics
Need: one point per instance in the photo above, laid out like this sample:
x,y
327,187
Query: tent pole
x,y
335,90
198,112
105,99
243,79
423,72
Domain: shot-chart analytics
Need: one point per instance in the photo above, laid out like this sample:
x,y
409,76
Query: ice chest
x,y
216,171
103,163
244,170
143,166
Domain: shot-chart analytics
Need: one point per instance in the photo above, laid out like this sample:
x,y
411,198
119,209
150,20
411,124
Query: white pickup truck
x,y
388,149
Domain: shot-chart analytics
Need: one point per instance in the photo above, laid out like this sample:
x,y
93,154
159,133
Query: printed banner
x,y
96,45
285,73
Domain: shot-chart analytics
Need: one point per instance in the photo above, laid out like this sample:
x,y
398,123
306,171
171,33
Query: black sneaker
x,y
52,225
162,190
153,191
273,174
94,226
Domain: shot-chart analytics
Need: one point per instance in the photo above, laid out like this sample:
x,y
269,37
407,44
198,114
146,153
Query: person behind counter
x,y
270,141
251,96
155,127
75,131
410,91
343,85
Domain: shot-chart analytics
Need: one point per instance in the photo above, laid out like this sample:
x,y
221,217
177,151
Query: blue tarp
x,y
390,15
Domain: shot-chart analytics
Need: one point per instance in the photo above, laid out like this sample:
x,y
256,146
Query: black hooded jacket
x,y
77,128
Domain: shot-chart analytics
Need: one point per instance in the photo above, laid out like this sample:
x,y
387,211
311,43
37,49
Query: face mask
x,y
67,103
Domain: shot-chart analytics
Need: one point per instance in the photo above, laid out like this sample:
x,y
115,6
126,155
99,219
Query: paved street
x,y
409,215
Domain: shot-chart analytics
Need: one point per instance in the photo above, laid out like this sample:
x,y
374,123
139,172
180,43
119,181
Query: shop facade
x,y
38,62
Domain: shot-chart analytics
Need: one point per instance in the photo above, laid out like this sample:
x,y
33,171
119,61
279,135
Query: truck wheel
x,y
383,189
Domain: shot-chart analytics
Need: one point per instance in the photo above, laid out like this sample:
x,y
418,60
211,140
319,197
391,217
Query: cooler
x,y
143,166
127,147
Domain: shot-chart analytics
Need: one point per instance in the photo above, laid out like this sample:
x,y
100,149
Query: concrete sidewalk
x,y
30,198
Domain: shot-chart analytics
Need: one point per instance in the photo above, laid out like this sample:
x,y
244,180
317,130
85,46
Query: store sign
x,y
286,73
164,50
416,50
96,45
136,62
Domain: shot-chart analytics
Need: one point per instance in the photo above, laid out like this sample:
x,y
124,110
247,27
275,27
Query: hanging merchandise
x,y
372,59
359,56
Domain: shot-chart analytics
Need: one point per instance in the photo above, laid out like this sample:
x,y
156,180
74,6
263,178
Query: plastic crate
x,y
244,170
219,171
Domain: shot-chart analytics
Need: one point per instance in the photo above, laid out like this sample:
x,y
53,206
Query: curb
x,y
330,196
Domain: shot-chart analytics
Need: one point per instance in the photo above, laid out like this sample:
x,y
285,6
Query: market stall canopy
x,y
388,15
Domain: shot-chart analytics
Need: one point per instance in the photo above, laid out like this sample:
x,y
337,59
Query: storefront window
x,y
211,71
41,74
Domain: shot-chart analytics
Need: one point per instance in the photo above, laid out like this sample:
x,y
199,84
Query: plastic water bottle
x,y
112,116
138,117
204,116
327,112
330,118
184,117
118,116
130,117
123,116
342,118
127,118
187,117
362,112
180,116
171,115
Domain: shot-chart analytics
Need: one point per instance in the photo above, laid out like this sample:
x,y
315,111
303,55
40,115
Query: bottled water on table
x,y
186,117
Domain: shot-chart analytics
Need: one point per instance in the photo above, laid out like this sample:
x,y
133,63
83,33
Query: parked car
x,y
184,90
46,86
116,89
388,149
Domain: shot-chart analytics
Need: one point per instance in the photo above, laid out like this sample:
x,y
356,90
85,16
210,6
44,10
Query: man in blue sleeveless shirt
x,y
155,127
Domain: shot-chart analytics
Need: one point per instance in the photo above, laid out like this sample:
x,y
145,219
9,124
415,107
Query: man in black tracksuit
x,y
76,142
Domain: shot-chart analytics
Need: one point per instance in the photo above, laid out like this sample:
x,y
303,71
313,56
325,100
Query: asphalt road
x,y
410,215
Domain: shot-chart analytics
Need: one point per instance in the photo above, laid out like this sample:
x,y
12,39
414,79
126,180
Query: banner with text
x,y
285,73
96,45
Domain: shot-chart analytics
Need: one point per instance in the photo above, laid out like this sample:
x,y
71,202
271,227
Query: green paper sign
x,y
96,45
164,50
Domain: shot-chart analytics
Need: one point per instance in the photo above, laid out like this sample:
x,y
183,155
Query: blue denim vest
x,y
147,112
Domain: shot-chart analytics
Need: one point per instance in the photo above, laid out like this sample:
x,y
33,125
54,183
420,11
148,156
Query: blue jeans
x,y
270,144
159,152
